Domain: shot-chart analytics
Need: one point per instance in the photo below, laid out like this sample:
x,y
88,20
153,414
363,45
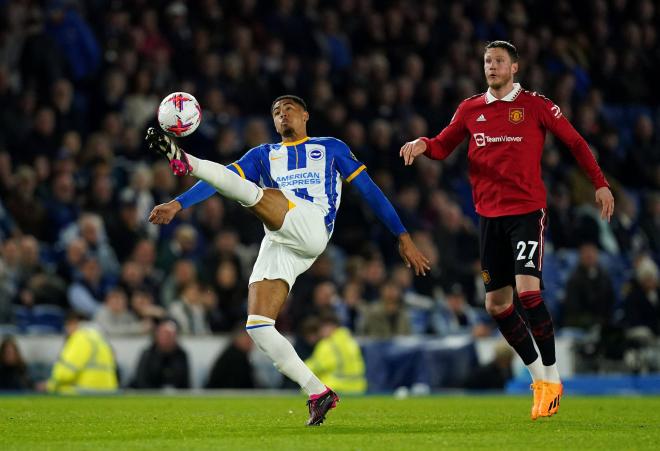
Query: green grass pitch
x,y
270,423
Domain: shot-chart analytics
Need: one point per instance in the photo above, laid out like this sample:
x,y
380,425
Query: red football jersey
x,y
504,154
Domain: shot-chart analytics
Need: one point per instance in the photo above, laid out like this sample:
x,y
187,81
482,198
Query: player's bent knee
x,y
497,304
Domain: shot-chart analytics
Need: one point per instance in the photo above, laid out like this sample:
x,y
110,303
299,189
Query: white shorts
x,y
288,252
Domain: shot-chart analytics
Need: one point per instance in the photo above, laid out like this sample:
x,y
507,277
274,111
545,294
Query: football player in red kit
x,y
506,129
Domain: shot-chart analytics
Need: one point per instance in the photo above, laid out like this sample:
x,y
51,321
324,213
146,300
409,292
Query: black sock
x,y
540,322
515,332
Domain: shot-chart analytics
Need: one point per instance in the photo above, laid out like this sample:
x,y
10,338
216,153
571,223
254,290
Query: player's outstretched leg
x,y
226,182
540,323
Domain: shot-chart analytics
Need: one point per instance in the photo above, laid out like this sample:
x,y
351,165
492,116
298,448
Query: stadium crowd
x,y
81,80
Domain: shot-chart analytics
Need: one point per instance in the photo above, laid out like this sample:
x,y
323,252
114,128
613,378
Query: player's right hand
x,y
411,150
164,213
412,256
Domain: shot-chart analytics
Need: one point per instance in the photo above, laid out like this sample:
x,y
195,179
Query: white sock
x,y
227,182
536,369
551,374
274,345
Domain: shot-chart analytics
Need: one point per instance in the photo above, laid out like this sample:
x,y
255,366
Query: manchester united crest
x,y
516,115
485,275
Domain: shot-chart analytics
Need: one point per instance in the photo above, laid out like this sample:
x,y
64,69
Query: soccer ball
x,y
179,114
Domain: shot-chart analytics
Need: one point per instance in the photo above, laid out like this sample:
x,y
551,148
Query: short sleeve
x,y
347,164
248,165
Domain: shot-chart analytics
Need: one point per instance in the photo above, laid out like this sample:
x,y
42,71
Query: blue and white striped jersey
x,y
311,169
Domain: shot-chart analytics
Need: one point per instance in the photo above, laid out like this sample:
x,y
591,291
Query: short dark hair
x,y
506,45
296,99
329,317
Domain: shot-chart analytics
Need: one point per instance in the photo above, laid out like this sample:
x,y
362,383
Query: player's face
x,y
498,67
290,118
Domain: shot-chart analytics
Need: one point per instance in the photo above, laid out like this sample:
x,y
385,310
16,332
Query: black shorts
x,y
511,245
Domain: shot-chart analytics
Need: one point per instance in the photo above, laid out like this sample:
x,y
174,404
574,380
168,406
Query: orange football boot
x,y
550,399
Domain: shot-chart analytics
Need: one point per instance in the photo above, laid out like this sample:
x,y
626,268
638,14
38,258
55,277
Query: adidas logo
x,y
481,118
530,264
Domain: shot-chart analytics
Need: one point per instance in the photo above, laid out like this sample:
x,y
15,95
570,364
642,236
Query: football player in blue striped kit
x,y
294,188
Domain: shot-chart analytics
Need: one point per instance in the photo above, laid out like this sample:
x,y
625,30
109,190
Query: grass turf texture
x,y
359,423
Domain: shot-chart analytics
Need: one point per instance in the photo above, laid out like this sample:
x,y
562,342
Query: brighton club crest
x,y
516,115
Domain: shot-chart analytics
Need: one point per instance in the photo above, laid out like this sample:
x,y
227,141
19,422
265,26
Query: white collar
x,y
510,97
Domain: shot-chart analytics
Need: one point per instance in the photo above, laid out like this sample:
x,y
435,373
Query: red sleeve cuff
x,y
427,141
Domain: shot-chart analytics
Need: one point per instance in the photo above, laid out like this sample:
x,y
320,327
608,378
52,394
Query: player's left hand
x,y
605,199
412,256
164,213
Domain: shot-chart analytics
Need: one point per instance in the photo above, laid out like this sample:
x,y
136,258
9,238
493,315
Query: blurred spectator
x,y
182,245
30,263
27,210
164,364
231,293
114,318
142,304
6,296
101,198
127,228
69,266
419,306
62,209
86,363
494,375
387,317
75,39
306,338
324,299
351,298
87,292
183,274
90,228
232,368
589,297
337,359
13,370
561,218
42,141
44,289
141,102
642,303
643,155
459,242
650,223
139,191
132,278
454,315
144,254
189,311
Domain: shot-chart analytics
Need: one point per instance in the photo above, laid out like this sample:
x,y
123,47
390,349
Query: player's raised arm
x,y
200,191
554,120
441,146
164,213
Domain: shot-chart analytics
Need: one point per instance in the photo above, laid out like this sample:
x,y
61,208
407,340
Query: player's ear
x,y
514,68
305,116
